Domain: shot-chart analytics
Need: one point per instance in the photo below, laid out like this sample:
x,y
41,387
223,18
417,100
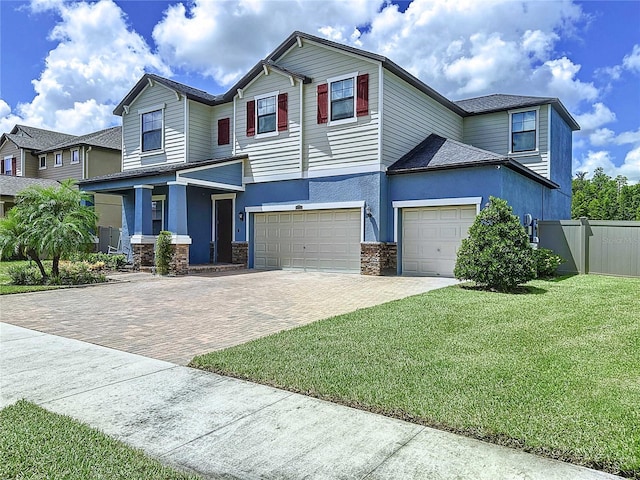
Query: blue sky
x,y
65,65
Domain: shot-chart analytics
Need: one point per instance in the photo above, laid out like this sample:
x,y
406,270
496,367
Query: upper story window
x,y
75,156
342,99
7,166
57,159
43,162
524,131
266,110
152,130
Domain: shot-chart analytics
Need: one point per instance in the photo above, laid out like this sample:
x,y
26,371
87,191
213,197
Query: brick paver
x,y
175,318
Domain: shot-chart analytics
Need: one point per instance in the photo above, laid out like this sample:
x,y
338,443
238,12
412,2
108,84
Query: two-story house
x,y
48,157
327,157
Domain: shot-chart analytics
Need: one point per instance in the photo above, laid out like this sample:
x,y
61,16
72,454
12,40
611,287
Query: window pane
x,y
267,123
342,89
151,140
342,109
524,141
152,121
266,106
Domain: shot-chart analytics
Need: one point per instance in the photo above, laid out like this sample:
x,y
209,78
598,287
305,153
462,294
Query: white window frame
x,y
161,107
274,133
40,165
55,159
163,199
75,150
354,118
525,152
9,159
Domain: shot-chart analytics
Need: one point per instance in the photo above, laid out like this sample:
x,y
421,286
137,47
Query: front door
x,y
224,230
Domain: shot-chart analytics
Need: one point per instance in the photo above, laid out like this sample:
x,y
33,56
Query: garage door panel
x,y
314,240
431,237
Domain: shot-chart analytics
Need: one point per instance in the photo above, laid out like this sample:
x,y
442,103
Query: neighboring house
x,y
46,155
326,157
10,186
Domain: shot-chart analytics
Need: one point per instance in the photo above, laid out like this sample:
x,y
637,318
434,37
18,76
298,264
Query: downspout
x,y
85,163
301,129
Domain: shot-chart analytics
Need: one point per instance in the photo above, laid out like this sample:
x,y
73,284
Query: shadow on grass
x,y
519,290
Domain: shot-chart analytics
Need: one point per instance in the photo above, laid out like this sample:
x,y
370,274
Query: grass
x,y
6,288
554,370
35,443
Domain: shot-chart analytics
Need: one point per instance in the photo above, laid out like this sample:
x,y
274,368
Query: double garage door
x,y
431,237
318,240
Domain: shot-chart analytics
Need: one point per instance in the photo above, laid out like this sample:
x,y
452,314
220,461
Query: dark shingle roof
x,y
438,153
500,102
31,138
10,186
108,138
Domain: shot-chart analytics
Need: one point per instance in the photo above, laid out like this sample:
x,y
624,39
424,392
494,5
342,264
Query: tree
x,y
50,222
13,239
604,198
497,253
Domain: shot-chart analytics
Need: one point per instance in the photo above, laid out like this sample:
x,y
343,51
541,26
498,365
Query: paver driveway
x,y
175,318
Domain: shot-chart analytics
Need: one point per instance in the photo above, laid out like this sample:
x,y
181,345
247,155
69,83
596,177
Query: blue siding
x,y
558,202
227,174
199,218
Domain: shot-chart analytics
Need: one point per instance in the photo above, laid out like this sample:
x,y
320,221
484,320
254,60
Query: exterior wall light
x,y
367,211
241,216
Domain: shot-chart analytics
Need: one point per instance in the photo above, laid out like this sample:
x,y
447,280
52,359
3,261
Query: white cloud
x,y
603,159
632,60
600,115
604,136
97,60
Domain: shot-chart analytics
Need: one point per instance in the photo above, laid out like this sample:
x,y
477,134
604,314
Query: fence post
x,y
584,246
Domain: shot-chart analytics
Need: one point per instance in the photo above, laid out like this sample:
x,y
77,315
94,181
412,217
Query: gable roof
x,y
501,102
148,79
31,138
11,186
439,153
110,138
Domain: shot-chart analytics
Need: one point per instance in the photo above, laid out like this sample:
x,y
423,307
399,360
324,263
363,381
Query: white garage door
x,y
431,237
319,240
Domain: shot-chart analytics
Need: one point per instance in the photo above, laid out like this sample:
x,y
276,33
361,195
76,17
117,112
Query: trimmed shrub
x,y
108,262
25,275
547,262
497,254
77,273
164,252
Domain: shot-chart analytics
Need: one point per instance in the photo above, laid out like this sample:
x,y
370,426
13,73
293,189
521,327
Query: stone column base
x,y
143,255
378,258
240,253
179,264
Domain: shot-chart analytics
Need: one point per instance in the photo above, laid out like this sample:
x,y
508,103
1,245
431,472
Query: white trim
x,y
525,152
432,202
205,183
40,157
318,173
223,196
77,161
331,80
186,127
380,109
233,128
262,96
55,157
549,107
305,207
85,161
142,239
160,106
148,187
181,240
300,134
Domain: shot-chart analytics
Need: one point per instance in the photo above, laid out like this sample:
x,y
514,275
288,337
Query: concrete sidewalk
x,y
225,428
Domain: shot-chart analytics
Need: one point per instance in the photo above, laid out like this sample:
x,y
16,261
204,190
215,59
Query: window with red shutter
x,y
283,121
14,166
323,103
223,131
362,100
251,118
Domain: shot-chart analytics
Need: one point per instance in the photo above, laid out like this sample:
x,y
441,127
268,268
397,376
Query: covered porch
x,y
196,202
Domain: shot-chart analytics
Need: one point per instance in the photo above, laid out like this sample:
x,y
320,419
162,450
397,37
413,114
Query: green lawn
x,y
35,443
6,288
554,371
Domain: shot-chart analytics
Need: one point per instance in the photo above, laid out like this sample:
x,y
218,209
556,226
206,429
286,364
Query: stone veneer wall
x,y
378,258
143,255
240,253
179,264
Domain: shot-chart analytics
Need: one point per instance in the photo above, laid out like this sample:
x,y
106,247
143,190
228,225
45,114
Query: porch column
x,y
143,224
177,221
142,240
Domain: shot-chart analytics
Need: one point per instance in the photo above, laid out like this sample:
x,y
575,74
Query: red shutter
x,y
323,103
283,120
223,131
362,102
1,166
251,118
14,167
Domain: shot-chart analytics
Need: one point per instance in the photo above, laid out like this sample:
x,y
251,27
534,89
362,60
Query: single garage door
x,y
431,237
317,240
